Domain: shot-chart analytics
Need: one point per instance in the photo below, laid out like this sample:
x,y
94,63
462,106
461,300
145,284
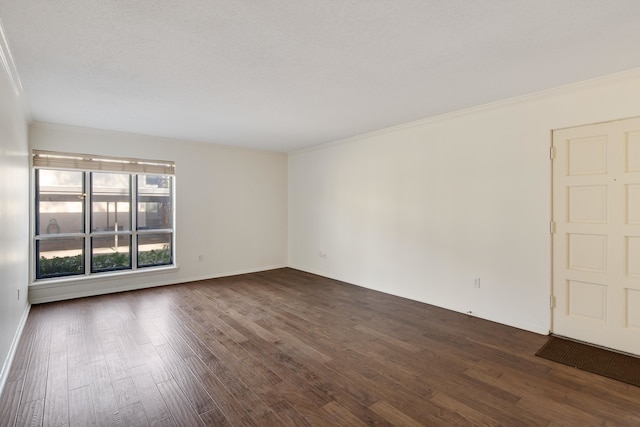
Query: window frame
x,y
88,165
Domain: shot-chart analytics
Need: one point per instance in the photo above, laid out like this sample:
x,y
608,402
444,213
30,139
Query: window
x,y
96,214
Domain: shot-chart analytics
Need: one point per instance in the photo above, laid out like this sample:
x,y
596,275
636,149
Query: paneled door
x,y
596,234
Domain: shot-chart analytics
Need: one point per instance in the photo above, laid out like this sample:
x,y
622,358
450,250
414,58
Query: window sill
x,y
95,277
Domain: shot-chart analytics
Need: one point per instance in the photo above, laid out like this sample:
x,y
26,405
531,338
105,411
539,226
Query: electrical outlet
x,y
476,282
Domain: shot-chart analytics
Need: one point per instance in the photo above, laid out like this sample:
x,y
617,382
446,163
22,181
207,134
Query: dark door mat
x,y
603,362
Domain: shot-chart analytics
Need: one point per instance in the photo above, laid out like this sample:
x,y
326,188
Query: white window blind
x,y
53,159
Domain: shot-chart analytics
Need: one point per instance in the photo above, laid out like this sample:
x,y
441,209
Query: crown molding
x,y
9,66
571,87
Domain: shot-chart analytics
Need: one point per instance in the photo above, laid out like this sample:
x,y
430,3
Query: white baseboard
x,y
6,366
537,329
44,294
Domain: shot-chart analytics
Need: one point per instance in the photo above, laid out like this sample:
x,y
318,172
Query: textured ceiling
x,y
286,74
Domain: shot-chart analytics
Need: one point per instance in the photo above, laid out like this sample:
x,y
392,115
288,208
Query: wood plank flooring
x,y
287,348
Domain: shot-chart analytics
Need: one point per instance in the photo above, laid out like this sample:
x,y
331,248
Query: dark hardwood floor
x,y
283,348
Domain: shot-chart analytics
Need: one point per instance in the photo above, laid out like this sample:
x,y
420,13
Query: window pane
x,y
154,202
110,201
60,201
111,252
59,257
154,249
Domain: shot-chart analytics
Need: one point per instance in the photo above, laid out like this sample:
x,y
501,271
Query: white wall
x,y
14,211
420,210
231,206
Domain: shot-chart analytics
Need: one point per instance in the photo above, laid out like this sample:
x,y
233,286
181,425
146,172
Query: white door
x,y
596,241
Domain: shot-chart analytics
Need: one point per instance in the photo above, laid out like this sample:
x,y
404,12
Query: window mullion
x,y
133,210
87,222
